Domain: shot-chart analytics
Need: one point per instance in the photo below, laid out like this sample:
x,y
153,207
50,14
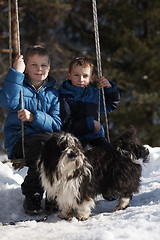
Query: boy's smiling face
x,y
37,68
80,76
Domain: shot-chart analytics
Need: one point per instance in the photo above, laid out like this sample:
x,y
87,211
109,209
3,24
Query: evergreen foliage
x,y
130,48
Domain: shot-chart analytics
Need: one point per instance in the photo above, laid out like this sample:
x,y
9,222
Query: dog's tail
x,y
129,144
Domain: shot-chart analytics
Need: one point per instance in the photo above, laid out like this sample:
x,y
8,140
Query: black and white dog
x,y
73,177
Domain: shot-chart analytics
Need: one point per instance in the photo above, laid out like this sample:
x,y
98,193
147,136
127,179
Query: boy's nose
x,y
39,68
81,78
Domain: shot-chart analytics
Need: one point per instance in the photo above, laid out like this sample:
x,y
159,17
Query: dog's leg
x,y
123,203
84,210
66,214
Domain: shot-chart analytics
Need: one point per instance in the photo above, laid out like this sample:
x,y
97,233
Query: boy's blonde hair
x,y
81,61
36,50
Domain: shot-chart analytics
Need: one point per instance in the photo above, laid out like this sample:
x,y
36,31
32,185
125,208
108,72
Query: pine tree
x,y
130,50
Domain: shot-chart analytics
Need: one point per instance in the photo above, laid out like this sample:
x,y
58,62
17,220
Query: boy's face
x,y
37,68
80,76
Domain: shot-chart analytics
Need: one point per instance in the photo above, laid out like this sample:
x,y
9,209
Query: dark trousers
x,y
33,145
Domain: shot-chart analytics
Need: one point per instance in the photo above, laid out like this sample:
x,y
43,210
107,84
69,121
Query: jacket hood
x,y
49,82
67,88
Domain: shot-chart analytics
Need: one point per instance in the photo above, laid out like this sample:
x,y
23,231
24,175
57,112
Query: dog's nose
x,y
72,155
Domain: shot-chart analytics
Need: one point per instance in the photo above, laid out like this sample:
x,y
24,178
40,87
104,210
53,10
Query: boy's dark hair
x,y
33,50
81,61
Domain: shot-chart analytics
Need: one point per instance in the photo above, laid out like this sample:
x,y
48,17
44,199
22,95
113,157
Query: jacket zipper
x,y
84,92
36,100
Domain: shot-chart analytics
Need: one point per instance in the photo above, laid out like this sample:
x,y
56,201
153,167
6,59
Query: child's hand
x,y
25,115
19,64
97,126
103,82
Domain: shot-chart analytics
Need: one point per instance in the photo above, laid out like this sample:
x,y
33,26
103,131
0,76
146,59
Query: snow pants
x,y
33,145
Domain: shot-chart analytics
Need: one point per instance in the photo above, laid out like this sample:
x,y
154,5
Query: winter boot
x,y
32,204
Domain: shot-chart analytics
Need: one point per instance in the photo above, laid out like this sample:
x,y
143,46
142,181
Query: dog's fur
x,y
74,176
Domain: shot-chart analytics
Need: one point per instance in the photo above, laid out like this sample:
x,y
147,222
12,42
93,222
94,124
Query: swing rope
x,y
99,67
17,24
10,33
21,160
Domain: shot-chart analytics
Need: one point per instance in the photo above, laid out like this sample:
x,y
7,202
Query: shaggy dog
x,y
73,176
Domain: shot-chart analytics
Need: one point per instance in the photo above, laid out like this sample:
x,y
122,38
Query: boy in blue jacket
x,y
79,102
41,116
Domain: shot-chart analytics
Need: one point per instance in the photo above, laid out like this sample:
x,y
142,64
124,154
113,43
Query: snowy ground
x,y
141,221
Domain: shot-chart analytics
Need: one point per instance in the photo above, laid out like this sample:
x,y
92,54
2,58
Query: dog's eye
x,y
72,155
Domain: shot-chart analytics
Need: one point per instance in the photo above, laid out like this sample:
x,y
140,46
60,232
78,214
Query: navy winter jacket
x,y
79,108
44,104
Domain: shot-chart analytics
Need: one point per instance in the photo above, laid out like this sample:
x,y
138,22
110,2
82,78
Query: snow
x,y
140,221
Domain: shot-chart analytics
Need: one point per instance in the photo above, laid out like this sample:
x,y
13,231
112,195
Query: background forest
x,y
130,50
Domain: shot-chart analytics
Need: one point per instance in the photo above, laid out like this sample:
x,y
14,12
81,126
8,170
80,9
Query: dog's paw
x,y
123,203
82,218
67,215
118,207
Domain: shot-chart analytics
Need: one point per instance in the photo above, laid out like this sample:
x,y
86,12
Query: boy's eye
x,y
34,65
44,65
85,76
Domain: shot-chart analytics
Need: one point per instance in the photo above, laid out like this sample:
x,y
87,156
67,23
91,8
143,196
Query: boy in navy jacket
x,y
41,116
79,102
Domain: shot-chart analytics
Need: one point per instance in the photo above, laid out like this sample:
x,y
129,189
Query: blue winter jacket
x,y
44,104
79,108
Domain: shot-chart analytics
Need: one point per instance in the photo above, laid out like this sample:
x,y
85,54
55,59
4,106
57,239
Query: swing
x,y
22,161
